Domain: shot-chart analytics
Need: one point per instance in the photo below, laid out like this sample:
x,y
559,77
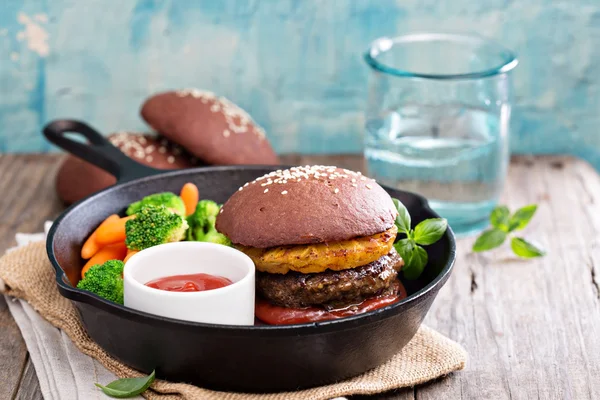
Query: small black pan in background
x,y
232,358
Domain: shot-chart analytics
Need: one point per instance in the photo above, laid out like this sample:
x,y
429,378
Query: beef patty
x,y
331,289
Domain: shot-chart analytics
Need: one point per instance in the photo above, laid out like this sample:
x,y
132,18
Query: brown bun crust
x,y
210,127
77,179
306,205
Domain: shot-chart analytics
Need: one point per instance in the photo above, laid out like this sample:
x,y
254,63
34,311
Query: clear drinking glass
x,y
437,121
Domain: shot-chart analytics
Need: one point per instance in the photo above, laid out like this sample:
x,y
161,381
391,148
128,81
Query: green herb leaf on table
x,y
430,230
414,266
403,218
489,239
503,225
525,249
521,217
500,217
127,387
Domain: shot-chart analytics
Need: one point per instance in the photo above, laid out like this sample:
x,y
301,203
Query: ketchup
x,y
277,315
189,283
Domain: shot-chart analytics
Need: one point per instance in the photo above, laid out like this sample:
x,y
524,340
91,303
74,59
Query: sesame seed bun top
x,y
303,205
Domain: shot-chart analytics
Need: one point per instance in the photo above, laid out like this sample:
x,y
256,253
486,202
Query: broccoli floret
x,y
202,224
105,280
167,199
215,237
154,225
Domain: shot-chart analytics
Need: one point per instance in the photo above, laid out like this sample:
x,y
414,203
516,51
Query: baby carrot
x,y
130,253
190,196
114,251
91,246
112,232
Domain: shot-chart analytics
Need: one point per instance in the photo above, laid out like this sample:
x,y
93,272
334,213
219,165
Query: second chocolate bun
x,y
77,179
210,127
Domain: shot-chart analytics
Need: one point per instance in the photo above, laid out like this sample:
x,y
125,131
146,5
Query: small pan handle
x,y
98,150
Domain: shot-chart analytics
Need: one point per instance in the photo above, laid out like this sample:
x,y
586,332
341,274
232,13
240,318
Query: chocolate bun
x,y
77,179
209,127
302,205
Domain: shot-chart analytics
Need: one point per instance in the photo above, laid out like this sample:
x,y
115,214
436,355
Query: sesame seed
x,y
336,190
246,184
266,190
284,192
317,173
240,189
221,211
226,133
149,149
142,140
355,185
170,159
369,186
162,150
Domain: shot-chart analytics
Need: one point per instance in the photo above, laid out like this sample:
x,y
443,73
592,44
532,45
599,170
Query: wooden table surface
x,y
532,328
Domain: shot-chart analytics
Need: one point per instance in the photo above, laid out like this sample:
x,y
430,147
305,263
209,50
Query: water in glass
x,y
453,155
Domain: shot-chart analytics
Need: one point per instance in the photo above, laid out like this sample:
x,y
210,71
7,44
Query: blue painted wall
x,y
295,65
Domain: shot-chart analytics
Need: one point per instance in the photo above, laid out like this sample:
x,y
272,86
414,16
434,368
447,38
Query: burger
x,y
321,239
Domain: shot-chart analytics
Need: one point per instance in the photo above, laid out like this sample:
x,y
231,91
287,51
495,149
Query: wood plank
x,y
29,387
12,353
531,327
27,200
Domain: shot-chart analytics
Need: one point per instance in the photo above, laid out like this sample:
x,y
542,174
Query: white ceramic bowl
x,y
231,305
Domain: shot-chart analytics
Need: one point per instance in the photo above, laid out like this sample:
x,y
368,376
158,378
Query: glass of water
x,y
438,119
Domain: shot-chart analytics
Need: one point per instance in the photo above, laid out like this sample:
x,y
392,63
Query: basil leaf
x,y
430,230
521,218
489,239
403,218
414,266
499,218
127,387
404,247
523,248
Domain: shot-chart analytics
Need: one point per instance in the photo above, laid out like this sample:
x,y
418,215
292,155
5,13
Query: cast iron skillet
x,y
245,359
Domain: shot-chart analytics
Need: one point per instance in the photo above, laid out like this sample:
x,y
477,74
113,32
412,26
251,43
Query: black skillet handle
x,y
98,150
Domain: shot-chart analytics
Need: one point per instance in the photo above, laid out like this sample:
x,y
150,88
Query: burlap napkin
x,y
27,274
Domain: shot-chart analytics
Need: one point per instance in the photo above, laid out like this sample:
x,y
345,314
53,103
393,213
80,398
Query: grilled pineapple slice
x,y
318,257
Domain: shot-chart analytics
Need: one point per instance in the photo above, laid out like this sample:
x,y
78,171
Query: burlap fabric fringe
x,y
28,275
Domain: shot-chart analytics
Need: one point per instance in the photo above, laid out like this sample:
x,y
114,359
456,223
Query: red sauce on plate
x,y
189,283
277,315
